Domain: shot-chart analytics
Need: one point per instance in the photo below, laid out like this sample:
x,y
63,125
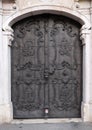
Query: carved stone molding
x,y
84,32
30,3
8,31
15,4
22,4
76,4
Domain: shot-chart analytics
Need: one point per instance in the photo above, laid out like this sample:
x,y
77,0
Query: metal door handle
x,y
46,73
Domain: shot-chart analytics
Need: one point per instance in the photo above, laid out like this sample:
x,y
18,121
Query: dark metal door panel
x,y
46,68
28,69
64,69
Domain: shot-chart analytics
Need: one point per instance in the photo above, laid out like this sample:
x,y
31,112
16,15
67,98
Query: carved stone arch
x,y
73,14
84,33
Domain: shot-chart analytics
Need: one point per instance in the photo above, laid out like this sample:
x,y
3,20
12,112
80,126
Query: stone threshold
x,y
55,120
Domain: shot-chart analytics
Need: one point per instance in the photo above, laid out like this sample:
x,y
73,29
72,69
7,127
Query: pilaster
x,y
1,92
85,36
6,106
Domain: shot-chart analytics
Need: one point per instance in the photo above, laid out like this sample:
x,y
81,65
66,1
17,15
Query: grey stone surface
x,y
57,126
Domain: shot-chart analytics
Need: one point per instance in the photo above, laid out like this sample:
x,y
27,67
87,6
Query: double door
x,y
46,68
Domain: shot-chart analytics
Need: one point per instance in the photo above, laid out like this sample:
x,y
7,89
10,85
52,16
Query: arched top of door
x,y
59,10
73,14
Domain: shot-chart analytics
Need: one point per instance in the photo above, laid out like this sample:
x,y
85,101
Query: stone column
x,y
1,52
85,36
90,102
91,11
1,66
6,107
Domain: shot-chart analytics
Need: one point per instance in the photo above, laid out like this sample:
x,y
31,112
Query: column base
x,y
86,112
6,113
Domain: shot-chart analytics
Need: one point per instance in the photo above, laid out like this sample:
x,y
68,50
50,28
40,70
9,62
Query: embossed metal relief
x,y
46,67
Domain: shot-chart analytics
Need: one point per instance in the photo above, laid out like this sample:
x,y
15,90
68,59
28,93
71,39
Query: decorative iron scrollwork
x,y
44,76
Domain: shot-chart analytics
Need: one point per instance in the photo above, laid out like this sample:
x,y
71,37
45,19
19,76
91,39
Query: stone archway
x,y
85,36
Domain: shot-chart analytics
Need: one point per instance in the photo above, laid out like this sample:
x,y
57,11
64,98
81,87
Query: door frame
x,y
85,36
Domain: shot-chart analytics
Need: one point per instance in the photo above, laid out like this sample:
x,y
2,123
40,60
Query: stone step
x,y
47,126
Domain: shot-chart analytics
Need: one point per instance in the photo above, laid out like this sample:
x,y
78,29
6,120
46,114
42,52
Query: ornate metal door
x,y
46,68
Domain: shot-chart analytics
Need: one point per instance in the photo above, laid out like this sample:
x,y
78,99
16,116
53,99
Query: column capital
x,y
8,31
84,32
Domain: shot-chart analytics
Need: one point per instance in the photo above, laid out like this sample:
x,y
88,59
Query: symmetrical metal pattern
x,y
46,68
